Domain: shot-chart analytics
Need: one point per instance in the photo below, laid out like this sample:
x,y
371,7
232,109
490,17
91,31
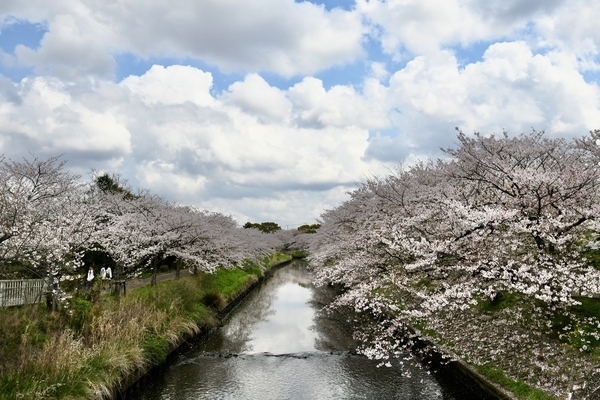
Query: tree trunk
x,y
154,271
119,280
54,302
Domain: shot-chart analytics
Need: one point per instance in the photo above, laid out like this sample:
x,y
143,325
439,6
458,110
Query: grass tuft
x,y
518,388
214,299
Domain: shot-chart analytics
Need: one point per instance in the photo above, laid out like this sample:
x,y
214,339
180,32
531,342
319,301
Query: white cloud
x,y
268,153
271,35
574,30
423,26
512,89
293,207
172,85
341,106
254,144
288,37
48,119
255,96
379,71
74,46
417,27
166,132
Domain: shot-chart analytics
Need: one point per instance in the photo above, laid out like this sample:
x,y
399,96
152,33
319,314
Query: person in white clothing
x,y
103,275
90,276
106,274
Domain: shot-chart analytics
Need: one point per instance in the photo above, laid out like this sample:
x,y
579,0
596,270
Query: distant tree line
x,y
309,228
266,227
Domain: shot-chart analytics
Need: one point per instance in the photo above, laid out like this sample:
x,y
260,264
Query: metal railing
x,y
20,292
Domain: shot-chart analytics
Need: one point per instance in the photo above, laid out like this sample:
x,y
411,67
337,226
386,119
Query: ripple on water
x,y
317,375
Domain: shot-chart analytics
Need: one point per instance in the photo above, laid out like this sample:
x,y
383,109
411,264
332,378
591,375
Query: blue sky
x,y
274,109
329,5
19,33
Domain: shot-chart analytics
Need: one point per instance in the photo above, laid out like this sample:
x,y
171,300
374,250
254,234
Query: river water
x,y
277,345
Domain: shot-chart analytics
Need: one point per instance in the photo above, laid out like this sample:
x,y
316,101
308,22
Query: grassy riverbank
x,y
89,348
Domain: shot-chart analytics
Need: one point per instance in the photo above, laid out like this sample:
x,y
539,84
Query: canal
x,y
277,345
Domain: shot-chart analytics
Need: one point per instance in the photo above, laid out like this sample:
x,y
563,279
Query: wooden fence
x,y
19,292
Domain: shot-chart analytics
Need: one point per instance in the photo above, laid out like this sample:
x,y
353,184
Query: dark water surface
x,y
277,345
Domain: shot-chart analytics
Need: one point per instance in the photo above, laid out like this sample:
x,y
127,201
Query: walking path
x,y
138,283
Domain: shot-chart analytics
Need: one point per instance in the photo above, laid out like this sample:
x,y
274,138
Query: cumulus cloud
x,y
259,151
73,47
47,119
410,28
286,37
424,26
175,84
573,29
315,107
254,143
255,96
167,131
512,89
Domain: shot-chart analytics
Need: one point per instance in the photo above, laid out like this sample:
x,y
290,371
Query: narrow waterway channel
x,y
277,345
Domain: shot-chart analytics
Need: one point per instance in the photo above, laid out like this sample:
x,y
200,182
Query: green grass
x,y
81,314
214,299
578,326
230,281
183,296
155,347
299,254
518,388
30,323
276,259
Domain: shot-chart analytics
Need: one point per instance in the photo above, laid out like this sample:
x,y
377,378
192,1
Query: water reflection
x,y
274,319
335,332
277,346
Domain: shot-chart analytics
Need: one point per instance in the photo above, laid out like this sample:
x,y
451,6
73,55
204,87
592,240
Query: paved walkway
x,y
138,283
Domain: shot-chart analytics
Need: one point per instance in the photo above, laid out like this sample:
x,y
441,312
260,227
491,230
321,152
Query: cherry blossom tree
x,y
45,216
142,229
423,247
49,218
